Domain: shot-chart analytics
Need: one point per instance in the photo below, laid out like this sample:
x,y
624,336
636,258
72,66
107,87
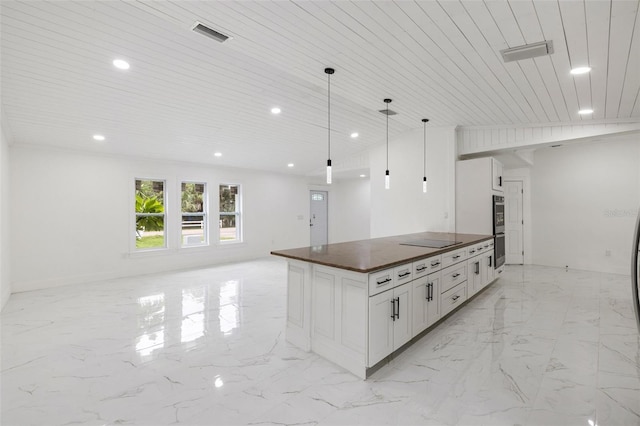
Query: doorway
x,y
514,223
318,220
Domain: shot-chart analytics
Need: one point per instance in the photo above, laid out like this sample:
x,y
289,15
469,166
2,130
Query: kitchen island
x,y
356,303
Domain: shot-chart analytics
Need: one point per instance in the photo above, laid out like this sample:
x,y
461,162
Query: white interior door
x,y
319,221
514,225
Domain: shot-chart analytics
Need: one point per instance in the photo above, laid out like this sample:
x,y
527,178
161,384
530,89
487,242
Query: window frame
x,y
204,214
238,216
165,215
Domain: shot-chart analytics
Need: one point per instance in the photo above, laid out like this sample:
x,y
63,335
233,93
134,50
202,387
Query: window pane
x,y
228,228
229,198
150,232
192,197
194,223
193,230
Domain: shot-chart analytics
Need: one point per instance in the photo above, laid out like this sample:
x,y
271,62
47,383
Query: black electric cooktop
x,y
431,243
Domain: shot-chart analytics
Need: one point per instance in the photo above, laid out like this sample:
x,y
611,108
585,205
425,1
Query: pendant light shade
x,y
424,176
387,179
329,71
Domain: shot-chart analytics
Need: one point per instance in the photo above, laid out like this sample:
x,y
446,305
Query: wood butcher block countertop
x,y
378,253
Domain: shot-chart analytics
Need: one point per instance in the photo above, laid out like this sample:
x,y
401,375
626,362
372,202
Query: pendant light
x,y
329,71
424,178
387,183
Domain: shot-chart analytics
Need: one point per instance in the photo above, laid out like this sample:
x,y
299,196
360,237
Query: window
x,y
230,221
150,214
194,219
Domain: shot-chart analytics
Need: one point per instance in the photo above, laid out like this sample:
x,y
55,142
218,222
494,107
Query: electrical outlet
x,y
607,252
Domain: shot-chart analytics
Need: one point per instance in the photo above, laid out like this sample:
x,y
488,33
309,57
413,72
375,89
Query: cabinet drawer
x,y
403,274
480,248
454,257
381,281
453,298
426,266
453,276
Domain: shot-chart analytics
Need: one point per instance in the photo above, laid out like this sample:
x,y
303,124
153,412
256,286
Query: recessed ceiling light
x,y
121,64
217,154
354,135
363,175
98,137
585,111
580,70
290,165
275,110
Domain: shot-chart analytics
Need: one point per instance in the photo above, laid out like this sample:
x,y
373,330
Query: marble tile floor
x,y
541,346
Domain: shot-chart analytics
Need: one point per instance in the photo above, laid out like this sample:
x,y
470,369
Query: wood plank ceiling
x,y
187,96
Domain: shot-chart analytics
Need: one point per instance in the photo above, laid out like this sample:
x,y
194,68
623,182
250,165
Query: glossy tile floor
x,y
541,346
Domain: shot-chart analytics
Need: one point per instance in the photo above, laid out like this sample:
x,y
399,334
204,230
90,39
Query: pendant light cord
x,y
425,120
387,133
329,114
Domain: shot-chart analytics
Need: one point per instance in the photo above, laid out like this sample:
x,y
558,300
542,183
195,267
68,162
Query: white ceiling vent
x,y
209,32
527,51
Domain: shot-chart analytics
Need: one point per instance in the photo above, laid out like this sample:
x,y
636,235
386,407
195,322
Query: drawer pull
x,y
436,263
490,260
480,248
383,281
421,268
456,275
456,297
393,309
486,245
456,256
404,275
471,251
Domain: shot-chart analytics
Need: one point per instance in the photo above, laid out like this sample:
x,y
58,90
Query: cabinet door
x,y
474,275
380,326
426,302
421,295
496,172
490,268
403,324
433,303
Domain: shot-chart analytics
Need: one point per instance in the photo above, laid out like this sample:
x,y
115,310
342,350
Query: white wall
x,y
403,208
73,222
5,273
349,210
585,199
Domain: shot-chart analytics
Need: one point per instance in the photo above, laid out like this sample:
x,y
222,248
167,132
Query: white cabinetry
x,y
477,181
358,319
390,324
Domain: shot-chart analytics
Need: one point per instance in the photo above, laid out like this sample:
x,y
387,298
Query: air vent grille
x,y
527,51
209,32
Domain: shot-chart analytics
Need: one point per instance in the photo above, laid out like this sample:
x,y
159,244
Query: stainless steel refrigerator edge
x,y
635,271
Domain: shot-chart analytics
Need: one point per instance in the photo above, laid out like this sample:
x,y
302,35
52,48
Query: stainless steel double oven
x,y
498,230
